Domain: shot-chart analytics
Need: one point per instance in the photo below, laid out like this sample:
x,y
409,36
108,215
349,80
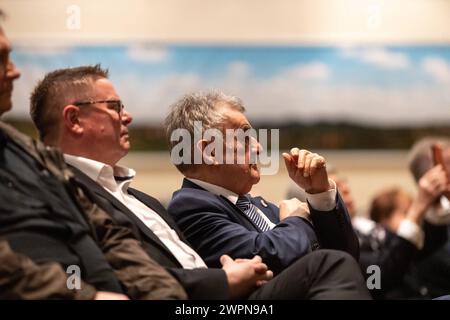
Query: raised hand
x,y
307,170
432,185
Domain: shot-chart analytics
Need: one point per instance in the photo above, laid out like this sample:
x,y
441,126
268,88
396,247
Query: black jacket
x,y
48,223
199,283
406,272
38,216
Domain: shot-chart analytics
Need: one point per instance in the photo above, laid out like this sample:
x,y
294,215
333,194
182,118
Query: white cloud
x,y
238,69
343,102
437,68
379,57
149,54
288,95
148,100
309,71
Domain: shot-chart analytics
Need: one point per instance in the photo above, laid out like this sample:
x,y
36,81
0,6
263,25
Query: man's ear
x,y
71,119
208,158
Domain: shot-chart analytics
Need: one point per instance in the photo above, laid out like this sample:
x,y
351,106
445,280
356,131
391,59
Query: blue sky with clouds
x,y
406,85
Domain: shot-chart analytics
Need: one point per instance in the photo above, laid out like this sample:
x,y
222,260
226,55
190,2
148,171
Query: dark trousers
x,y
320,275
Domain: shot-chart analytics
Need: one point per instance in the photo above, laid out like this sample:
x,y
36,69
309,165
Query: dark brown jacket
x,y
48,222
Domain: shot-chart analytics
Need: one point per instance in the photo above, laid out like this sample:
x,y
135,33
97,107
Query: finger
x,y
302,158
269,274
294,156
290,164
437,169
287,156
437,179
441,181
261,268
295,152
225,259
308,160
257,259
317,163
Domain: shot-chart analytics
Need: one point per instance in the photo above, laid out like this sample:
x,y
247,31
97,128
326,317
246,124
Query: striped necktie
x,y
244,204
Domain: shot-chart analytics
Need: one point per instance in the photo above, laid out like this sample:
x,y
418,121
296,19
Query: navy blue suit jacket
x,y
214,226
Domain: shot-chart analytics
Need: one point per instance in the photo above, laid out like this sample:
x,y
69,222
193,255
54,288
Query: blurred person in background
x,y
395,236
411,240
434,271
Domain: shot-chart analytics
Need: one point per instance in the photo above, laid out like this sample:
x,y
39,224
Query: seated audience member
x,y
401,218
90,112
218,216
421,160
47,224
434,272
394,244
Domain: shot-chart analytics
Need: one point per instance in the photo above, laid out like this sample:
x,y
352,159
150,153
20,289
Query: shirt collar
x,y
100,172
217,190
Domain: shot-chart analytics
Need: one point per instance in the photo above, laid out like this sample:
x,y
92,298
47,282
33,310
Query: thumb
x,y
225,259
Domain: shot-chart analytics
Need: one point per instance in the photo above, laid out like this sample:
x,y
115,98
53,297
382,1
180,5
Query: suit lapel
x,y
99,191
189,184
156,206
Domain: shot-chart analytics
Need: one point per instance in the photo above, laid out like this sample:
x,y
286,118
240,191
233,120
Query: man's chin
x,y
254,171
255,177
125,149
5,105
125,144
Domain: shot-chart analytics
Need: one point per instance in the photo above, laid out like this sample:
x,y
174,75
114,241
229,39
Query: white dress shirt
x,y
116,181
324,201
439,215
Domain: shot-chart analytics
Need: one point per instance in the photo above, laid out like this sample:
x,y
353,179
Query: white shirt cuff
x,y
439,215
324,201
412,232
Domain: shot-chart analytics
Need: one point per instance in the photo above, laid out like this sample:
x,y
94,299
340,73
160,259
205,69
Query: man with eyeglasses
x,y
49,225
91,109
78,111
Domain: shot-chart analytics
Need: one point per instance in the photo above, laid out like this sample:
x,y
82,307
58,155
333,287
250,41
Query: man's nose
x,y
12,72
126,118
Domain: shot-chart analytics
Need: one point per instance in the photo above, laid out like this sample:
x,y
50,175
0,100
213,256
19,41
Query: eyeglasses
x,y
117,105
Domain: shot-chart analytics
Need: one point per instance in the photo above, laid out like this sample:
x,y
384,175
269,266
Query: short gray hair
x,y
420,158
202,107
